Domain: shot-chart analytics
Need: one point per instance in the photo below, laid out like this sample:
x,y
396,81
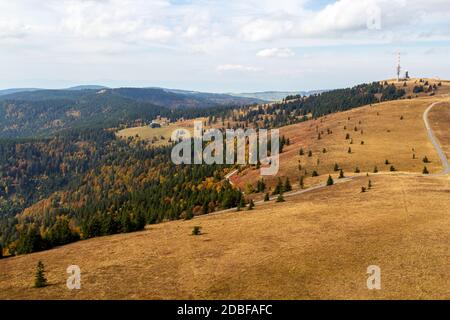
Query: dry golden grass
x,y
385,136
318,245
147,133
439,119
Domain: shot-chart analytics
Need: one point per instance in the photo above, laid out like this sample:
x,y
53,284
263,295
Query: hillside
x,y
44,112
373,137
317,244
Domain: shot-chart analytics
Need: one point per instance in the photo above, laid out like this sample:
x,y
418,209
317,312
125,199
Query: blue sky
x,y
220,46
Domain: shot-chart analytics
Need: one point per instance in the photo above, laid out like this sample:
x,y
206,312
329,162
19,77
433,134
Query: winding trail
x,y
434,141
445,165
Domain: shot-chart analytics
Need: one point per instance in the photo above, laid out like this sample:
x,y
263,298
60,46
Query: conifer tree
x,y
375,169
330,181
301,182
425,159
266,197
251,205
336,167
280,198
39,279
287,185
425,170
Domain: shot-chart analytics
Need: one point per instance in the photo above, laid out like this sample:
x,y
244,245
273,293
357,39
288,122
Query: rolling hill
x,y
315,245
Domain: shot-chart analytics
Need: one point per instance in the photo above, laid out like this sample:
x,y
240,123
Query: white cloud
x,y
236,67
276,53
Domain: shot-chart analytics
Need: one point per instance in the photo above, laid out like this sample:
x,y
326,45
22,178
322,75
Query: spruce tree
x,y
280,198
425,170
336,167
266,197
251,205
40,280
425,159
301,182
287,185
330,181
341,174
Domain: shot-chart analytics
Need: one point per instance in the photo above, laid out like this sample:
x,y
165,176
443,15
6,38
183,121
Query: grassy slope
x,y
385,137
317,245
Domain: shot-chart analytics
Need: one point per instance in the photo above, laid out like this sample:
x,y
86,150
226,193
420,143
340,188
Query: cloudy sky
x,y
220,45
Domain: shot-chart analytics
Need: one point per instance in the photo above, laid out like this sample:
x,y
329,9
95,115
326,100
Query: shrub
x,y
196,231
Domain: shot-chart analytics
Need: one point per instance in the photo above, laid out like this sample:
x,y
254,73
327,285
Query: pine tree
x,y
287,185
425,159
425,170
280,198
336,167
341,174
266,197
251,205
301,182
278,188
330,181
40,280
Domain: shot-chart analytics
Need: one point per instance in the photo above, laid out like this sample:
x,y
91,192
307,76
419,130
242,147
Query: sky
x,y
220,45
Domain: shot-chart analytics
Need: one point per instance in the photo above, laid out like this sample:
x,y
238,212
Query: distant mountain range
x,y
274,95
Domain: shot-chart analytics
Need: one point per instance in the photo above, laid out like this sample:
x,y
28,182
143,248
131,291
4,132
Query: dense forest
x,y
87,183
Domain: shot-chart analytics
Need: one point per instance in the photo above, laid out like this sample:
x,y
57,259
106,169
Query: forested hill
x,y
43,112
